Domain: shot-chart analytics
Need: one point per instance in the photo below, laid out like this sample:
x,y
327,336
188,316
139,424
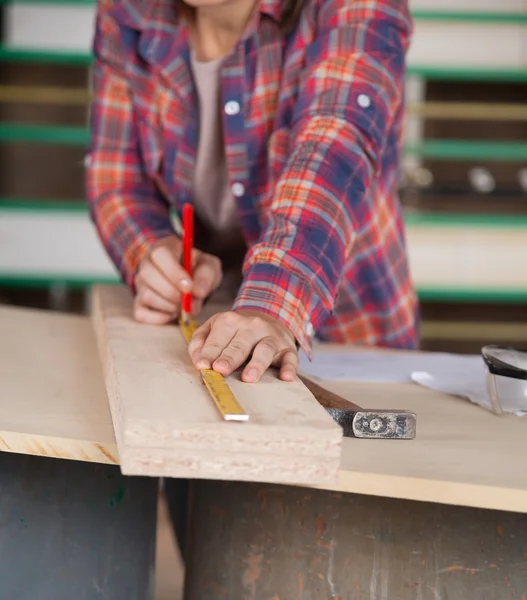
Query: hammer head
x,y
361,422
375,424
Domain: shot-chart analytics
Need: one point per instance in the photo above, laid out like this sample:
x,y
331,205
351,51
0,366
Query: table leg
x,y
75,531
267,542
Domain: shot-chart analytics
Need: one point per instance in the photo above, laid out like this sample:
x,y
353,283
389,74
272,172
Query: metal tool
x,y
362,422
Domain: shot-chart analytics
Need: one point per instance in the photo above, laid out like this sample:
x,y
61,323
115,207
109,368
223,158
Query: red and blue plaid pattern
x,y
314,151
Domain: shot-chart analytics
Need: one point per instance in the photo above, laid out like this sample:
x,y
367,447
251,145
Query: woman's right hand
x,y
161,279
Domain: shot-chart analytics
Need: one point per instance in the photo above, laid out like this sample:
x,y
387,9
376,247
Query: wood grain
x,y
166,424
52,396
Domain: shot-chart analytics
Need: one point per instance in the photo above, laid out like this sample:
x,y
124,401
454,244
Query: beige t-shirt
x,y
214,203
213,200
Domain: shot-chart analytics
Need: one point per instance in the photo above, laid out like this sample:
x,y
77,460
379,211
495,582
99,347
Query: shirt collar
x,y
272,8
143,14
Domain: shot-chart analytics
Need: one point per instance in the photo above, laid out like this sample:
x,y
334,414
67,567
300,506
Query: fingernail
x,y
202,364
252,375
184,283
221,364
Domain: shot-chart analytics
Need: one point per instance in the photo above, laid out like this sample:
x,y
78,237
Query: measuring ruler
x,y
220,392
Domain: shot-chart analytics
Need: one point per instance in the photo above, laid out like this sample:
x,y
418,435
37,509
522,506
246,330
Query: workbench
x,y
440,517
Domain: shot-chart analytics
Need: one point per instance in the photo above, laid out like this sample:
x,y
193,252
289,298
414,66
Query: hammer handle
x,y
327,398
361,422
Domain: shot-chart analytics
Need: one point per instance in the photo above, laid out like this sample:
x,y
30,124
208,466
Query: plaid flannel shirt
x,y
312,125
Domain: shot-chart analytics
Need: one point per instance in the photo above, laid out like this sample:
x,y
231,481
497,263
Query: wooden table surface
x,y
462,454
53,403
52,396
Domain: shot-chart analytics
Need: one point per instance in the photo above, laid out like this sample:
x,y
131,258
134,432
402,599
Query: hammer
x,y
360,422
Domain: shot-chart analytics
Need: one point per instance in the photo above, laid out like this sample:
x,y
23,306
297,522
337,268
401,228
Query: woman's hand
x,y
161,279
228,339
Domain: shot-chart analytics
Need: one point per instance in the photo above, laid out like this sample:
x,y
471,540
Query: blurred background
x,y
463,182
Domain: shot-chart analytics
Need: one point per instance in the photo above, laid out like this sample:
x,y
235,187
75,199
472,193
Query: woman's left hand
x,y
228,339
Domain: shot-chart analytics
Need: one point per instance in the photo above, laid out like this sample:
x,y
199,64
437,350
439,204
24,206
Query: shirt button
x,y
238,189
87,160
310,330
232,108
363,101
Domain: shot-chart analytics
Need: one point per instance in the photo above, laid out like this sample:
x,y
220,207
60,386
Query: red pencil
x,y
188,243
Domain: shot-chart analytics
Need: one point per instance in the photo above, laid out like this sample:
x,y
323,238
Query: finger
x,y
198,339
237,351
197,306
151,299
263,355
143,314
289,365
207,276
152,277
166,260
221,333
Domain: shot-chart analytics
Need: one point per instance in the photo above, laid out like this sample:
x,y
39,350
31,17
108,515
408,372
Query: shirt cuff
x,y
290,299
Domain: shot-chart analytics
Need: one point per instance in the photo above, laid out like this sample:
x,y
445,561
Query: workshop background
x,y
463,185
463,182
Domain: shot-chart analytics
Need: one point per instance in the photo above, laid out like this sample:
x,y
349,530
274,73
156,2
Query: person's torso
x,y
261,90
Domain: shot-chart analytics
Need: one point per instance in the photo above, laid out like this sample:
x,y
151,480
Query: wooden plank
x,y
52,403
167,425
52,396
462,454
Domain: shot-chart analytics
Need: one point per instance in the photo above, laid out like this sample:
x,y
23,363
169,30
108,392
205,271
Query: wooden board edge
x,y
325,442
426,490
329,448
191,465
98,322
54,447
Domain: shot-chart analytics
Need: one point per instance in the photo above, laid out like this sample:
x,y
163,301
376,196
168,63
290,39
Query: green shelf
x,y
476,296
420,15
464,220
465,74
43,134
45,56
63,2
469,150
437,149
480,296
51,279
469,16
84,59
421,219
47,205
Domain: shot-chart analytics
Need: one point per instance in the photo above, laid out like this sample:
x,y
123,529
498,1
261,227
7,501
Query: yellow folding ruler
x,y
220,392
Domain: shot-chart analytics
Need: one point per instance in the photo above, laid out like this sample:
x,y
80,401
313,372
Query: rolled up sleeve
x,y
128,210
351,89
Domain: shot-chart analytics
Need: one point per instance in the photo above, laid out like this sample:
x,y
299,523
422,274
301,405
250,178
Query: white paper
x,y
383,366
459,375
